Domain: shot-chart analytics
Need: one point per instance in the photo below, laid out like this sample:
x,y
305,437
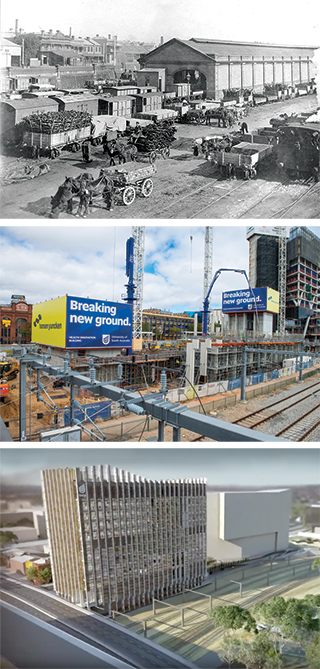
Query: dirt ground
x,y
184,186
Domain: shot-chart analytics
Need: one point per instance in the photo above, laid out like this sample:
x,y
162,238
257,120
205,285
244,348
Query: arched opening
x,y
197,80
23,331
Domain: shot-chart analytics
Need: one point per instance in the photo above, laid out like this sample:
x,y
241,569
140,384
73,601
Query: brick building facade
x,y
19,313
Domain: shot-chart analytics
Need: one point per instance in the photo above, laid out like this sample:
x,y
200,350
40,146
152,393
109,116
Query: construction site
x,y
129,385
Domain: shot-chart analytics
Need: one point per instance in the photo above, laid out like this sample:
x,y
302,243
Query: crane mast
x,y
138,234
282,273
208,259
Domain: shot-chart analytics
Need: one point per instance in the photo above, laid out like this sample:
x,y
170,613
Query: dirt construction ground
x,y
196,639
185,186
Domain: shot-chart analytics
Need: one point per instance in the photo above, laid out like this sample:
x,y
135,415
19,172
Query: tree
x,y
229,649
291,618
316,564
298,510
45,575
26,331
31,45
273,662
312,651
261,647
246,655
32,573
233,618
146,327
8,538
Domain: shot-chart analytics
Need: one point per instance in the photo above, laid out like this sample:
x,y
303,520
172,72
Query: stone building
x,y
215,66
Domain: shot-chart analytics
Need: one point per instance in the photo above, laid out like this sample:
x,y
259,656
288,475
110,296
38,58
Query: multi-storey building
x,y
165,323
117,540
302,274
60,49
303,283
14,318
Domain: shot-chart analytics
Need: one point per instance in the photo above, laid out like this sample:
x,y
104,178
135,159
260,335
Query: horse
x,y
115,149
86,187
62,200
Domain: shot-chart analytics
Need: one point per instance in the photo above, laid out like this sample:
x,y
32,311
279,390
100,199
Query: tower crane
x,y
138,234
208,259
282,265
206,302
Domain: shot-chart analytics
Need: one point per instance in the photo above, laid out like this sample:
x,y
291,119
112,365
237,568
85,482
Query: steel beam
x,y
164,411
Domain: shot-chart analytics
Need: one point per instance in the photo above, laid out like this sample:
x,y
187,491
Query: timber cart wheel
x,y
128,195
165,152
146,187
152,157
202,119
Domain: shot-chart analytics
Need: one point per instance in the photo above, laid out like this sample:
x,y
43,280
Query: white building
x,y
247,524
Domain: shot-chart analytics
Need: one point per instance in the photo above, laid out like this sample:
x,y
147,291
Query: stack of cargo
x,y
155,137
52,122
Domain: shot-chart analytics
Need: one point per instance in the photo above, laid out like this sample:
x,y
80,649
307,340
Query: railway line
x,y
270,199
267,413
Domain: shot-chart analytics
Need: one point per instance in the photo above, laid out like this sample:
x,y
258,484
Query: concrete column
x,y
195,325
190,363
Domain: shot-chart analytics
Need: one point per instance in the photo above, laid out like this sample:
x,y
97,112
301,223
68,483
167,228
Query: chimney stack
x,y
70,32
161,39
16,26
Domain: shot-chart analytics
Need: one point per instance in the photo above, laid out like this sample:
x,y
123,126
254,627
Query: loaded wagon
x,y
131,182
244,158
49,133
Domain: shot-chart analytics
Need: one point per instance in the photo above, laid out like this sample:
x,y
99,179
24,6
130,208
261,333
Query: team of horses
x,y
84,186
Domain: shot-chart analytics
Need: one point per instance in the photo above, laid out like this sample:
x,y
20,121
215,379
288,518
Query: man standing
x,y
244,128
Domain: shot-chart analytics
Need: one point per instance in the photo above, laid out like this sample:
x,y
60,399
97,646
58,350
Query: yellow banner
x,y
49,322
272,301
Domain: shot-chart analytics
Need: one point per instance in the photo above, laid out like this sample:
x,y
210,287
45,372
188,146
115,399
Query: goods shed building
x,y
217,65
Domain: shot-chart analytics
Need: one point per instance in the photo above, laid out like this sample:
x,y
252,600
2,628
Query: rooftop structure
x,y
117,540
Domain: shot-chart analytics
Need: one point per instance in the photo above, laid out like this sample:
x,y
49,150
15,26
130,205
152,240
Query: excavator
x,y
9,370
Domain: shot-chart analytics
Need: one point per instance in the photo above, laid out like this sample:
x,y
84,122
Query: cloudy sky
x,y
221,466
44,262
142,20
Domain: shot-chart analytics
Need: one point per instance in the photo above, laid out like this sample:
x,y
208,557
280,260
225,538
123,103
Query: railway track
x,y
281,212
268,412
300,428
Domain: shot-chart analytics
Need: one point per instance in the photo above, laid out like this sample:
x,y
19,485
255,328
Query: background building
x,y
247,524
217,66
166,324
118,540
19,313
303,283
302,274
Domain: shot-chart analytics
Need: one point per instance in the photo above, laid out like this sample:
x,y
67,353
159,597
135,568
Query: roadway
x,y
99,632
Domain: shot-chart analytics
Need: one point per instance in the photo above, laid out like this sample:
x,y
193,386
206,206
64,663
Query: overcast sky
x,y
221,466
282,22
44,262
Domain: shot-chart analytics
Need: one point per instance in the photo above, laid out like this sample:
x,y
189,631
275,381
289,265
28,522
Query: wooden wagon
x,y
131,182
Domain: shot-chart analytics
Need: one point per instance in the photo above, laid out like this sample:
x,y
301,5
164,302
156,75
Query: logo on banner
x,y
106,340
82,488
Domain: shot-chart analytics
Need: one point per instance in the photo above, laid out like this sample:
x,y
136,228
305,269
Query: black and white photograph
x,y
159,110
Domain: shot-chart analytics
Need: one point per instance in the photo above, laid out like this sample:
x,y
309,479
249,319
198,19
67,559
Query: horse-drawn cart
x,y
131,182
244,157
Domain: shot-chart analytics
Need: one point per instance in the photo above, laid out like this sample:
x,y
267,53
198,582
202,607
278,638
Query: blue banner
x,y
98,324
94,411
243,300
